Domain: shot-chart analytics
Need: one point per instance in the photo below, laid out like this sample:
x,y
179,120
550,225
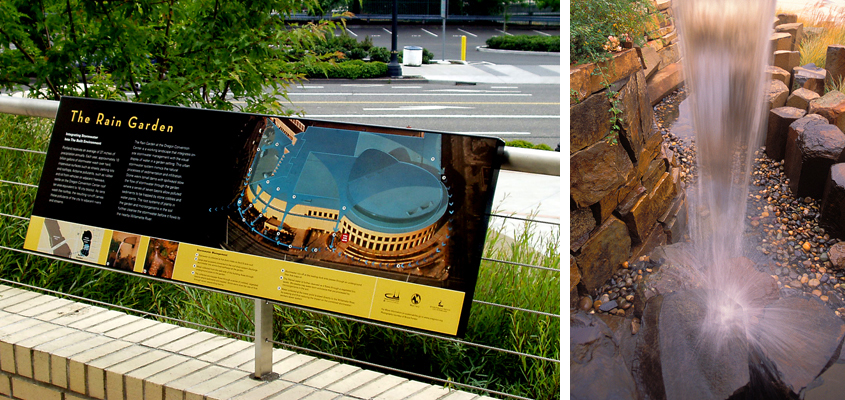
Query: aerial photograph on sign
x,y
383,204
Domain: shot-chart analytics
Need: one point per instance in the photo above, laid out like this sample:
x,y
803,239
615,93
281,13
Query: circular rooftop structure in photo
x,y
388,194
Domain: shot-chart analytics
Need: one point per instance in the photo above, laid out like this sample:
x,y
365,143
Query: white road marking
x,y
473,91
431,116
496,133
388,32
468,33
416,108
406,87
542,33
508,34
362,84
411,94
376,35
416,35
310,87
356,35
432,34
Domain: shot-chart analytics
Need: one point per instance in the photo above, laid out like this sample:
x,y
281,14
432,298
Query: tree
x,y
552,5
206,53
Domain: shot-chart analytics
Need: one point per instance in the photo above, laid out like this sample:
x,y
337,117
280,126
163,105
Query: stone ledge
x,y
52,348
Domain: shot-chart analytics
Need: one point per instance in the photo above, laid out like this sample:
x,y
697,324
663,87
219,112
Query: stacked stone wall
x,y
626,195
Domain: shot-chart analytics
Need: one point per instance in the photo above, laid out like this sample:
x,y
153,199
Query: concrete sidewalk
x,y
546,74
530,196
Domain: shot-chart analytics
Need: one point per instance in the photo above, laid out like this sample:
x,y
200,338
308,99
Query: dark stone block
x,y
779,120
595,360
598,170
817,147
601,256
691,365
800,359
833,201
589,121
581,223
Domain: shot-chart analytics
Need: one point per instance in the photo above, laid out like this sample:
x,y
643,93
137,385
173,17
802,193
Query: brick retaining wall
x,y
52,348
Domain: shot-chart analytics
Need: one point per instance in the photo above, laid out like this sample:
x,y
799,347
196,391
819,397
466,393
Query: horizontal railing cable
x,y
516,308
124,308
520,264
455,340
474,301
14,216
539,221
401,371
19,183
26,150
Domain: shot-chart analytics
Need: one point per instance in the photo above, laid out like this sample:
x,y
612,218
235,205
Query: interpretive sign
x,y
380,223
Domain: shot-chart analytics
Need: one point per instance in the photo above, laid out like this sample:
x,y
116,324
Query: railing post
x,y
263,346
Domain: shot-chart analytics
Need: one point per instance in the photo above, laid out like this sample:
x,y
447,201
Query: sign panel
x,y
380,223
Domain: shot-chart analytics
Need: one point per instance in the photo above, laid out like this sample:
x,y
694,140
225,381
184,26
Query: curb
x,y
406,79
485,49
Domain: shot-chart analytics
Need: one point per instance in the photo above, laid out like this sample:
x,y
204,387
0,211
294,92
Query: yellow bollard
x,y
463,48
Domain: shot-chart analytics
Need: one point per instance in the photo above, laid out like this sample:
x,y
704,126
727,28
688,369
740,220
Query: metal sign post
x,y
443,17
263,346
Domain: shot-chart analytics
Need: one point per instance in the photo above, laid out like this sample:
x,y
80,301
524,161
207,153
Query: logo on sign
x,y
344,237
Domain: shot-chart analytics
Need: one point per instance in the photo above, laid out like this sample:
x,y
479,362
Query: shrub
x,y
527,145
822,30
380,54
355,69
520,143
427,56
591,22
356,54
525,43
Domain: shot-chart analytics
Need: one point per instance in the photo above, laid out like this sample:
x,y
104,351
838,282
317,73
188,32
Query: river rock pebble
x,y
785,239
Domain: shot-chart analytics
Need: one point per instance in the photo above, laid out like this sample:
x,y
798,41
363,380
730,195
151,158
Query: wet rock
x,y
602,254
609,305
830,106
833,209
818,147
594,360
574,273
801,98
776,95
598,170
779,74
585,303
779,120
835,63
814,336
837,255
810,77
629,107
648,208
677,361
581,223
588,121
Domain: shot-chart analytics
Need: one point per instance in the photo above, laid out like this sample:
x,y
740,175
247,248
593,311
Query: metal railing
x,y
524,160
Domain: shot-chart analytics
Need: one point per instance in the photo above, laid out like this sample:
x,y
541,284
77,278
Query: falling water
x,y
726,328
726,50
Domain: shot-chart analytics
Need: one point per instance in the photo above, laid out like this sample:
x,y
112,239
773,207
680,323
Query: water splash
x,y
726,48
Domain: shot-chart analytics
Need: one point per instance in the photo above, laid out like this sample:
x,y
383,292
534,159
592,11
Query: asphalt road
x,y
431,38
529,112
